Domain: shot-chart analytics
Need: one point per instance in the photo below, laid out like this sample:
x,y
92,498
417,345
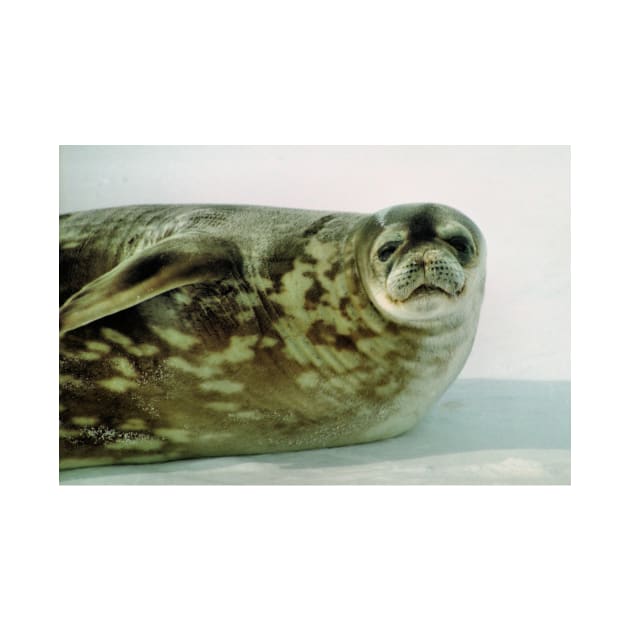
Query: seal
x,y
192,331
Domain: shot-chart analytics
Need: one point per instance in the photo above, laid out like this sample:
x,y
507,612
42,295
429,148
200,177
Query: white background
x,y
519,196
455,72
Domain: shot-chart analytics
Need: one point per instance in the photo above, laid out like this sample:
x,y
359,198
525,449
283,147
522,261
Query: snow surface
x,y
482,431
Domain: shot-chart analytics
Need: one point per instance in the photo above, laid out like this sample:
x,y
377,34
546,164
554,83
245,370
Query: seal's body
x,y
189,331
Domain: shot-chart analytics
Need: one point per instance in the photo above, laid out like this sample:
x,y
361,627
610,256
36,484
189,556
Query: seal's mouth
x,y
438,278
427,290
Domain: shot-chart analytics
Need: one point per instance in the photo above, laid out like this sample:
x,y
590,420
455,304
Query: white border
x,y
312,557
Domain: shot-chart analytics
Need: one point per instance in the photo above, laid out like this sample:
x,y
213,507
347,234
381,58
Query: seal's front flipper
x,y
174,262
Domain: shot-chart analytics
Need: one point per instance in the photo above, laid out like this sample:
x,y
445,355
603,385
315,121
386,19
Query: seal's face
x,y
421,261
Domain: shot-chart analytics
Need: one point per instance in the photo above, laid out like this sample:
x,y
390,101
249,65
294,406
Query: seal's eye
x,y
385,252
460,243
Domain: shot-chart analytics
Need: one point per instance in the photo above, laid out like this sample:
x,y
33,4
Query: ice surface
x,y
482,431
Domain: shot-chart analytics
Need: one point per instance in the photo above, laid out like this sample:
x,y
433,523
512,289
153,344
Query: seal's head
x,y
420,262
